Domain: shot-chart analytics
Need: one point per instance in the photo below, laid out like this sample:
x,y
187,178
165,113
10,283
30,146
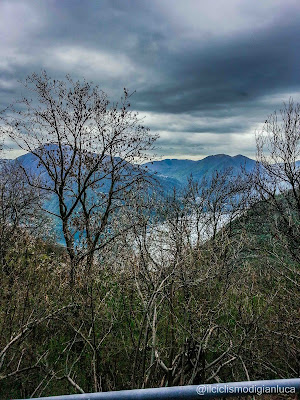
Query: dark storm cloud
x,y
205,74
228,73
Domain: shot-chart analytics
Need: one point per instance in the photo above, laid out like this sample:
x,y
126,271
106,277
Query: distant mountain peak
x,y
216,157
241,156
183,169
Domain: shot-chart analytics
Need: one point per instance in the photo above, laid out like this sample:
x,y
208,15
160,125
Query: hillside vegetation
x,y
224,310
199,285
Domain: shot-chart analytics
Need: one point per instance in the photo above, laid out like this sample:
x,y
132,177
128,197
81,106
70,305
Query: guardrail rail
x,y
193,392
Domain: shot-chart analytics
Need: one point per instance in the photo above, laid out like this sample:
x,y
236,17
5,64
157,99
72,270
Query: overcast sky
x,y
207,73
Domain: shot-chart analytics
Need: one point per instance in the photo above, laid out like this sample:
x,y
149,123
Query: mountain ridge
x,y
172,172
183,169
169,173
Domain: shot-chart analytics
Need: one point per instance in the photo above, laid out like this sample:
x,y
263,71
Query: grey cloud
x,y
232,65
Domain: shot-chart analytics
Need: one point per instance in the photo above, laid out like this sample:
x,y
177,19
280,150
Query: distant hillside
x,y
183,169
31,164
169,173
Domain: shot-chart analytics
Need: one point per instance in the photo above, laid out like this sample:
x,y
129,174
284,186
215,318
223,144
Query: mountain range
x,y
169,173
182,170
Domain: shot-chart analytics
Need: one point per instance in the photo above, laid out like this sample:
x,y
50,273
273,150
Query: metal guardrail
x,y
281,386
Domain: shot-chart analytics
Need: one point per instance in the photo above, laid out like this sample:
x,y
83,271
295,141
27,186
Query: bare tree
x,y
20,209
277,177
89,154
184,268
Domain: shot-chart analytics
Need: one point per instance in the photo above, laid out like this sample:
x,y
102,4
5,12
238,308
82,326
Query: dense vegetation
x,y
193,287
224,310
